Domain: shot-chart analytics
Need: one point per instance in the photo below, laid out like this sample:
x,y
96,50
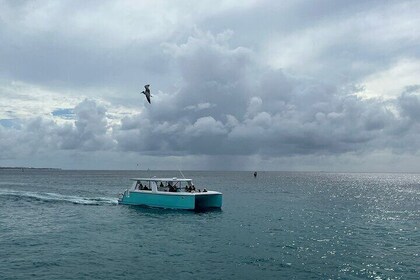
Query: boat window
x,y
154,186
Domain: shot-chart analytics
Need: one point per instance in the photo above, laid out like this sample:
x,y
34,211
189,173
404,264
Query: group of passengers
x,y
140,186
191,188
169,186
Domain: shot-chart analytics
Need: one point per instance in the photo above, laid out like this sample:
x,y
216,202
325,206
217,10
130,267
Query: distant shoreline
x,y
28,168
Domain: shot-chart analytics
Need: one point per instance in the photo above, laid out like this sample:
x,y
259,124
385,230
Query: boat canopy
x,y
162,179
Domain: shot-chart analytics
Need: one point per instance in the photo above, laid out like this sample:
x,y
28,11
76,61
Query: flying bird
x,y
146,92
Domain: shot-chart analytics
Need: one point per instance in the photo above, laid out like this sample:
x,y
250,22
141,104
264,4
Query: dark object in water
x,y
255,174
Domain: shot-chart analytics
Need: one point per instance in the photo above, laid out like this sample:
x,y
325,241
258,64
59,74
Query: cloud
x,y
212,72
290,115
262,81
199,106
205,126
409,102
357,40
282,115
90,130
78,44
390,82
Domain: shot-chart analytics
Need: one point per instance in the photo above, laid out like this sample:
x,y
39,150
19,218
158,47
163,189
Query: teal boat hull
x,y
180,200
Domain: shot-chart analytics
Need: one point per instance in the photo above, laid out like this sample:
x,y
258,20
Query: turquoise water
x,y
281,225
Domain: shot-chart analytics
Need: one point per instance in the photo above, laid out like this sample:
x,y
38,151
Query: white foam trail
x,y
55,197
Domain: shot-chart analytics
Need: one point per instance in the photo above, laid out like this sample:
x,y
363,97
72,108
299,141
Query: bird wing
x,y
148,97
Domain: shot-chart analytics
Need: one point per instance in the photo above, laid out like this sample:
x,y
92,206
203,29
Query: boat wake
x,y
55,197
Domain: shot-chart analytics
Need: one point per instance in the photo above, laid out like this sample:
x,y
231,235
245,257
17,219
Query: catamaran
x,y
173,193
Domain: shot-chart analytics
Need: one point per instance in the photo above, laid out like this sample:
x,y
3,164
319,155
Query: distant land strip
x,y
30,168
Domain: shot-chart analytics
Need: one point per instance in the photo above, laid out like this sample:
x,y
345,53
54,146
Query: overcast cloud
x,y
253,85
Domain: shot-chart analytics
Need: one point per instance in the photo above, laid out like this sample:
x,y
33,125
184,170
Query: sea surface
x,y
280,225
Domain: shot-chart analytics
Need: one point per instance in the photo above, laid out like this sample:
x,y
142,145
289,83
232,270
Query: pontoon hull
x,y
181,200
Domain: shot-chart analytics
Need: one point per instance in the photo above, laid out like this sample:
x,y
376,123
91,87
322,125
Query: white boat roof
x,y
174,179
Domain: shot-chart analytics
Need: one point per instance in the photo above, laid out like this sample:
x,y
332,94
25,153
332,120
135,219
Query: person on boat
x,y
140,186
171,188
192,188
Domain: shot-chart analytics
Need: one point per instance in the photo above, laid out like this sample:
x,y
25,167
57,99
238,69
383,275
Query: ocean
x,y
59,224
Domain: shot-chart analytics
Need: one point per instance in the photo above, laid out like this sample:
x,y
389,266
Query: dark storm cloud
x,y
54,44
269,113
410,103
51,61
333,41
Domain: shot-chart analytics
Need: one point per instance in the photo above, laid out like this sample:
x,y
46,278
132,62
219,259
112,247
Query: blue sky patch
x,y
10,123
65,113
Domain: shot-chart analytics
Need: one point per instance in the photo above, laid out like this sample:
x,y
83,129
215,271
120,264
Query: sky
x,y
236,85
